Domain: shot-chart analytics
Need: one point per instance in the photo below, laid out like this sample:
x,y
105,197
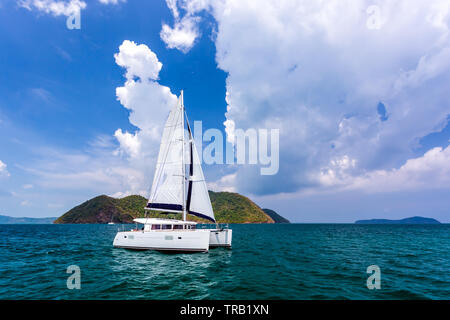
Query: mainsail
x,y
169,182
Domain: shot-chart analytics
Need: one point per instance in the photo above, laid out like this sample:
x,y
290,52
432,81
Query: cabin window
x,y
193,226
156,226
178,226
167,226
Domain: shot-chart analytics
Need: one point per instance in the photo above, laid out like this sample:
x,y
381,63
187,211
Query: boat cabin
x,y
155,224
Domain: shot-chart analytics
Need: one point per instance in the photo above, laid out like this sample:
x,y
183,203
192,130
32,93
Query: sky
x,y
359,91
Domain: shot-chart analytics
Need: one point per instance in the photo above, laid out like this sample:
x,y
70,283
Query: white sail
x,y
168,183
198,202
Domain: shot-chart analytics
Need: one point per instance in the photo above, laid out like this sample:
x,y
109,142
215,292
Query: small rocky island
x,y
412,220
25,220
228,207
275,216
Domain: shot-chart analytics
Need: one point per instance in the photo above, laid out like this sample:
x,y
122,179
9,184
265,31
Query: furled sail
x,y
198,201
167,192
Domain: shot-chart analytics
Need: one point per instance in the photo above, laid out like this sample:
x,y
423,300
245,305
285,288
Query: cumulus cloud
x,y
431,171
185,31
138,60
3,171
149,104
148,101
225,183
129,143
182,36
54,7
318,71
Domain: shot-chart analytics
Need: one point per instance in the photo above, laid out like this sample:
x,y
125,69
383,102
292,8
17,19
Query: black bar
x,y
221,309
165,206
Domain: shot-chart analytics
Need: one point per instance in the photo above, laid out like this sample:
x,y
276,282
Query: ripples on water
x,y
294,261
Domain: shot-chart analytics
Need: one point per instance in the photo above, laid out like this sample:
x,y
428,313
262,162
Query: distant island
x,y
228,207
24,220
412,220
275,216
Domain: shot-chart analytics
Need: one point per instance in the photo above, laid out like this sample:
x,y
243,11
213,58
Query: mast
x,y
183,155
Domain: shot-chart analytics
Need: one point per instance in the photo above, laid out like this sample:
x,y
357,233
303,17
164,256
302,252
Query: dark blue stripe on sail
x,y
201,216
191,169
165,206
188,202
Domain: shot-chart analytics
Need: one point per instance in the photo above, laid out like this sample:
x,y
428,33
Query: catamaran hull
x,y
170,241
220,238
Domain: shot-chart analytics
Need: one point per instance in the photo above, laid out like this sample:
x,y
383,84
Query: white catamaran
x,y
176,189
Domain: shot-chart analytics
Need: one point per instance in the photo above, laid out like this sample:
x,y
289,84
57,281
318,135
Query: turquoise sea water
x,y
296,261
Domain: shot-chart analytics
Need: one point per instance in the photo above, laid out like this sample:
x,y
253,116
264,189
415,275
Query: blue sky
x,y
361,106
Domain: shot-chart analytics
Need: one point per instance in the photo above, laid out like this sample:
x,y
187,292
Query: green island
x,y
228,207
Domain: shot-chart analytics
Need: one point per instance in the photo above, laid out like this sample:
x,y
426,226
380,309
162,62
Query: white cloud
x,y
185,31
431,171
102,141
54,7
148,101
25,203
172,5
315,70
3,171
27,186
149,104
95,171
129,143
138,60
428,67
182,36
225,183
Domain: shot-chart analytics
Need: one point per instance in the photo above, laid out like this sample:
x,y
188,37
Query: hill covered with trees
x,y
228,208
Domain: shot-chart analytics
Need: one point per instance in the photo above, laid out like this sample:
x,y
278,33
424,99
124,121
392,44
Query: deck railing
x,y
124,227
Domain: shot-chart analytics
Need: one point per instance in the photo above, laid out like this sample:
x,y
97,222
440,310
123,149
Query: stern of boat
x,y
220,238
